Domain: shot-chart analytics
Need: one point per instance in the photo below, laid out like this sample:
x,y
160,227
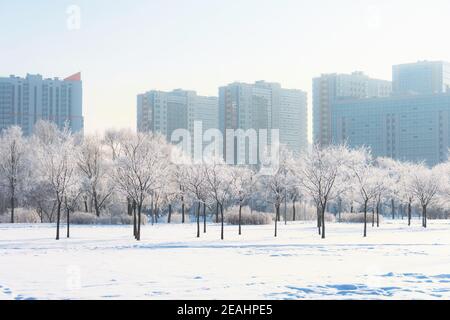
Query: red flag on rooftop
x,y
74,77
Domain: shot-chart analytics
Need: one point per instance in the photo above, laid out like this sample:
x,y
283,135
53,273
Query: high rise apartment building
x,y
329,88
264,105
24,101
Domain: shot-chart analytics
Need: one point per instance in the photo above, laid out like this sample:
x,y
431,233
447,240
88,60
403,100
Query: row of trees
x,y
55,173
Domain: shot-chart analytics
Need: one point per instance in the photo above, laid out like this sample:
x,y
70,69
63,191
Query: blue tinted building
x,y
423,77
408,128
24,101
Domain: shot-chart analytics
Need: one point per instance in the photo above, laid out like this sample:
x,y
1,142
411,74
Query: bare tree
x,y
13,164
244,180
425,184
276,191
93,167
194,181
219,183
140,170
406,192
55,164
320,171
368,179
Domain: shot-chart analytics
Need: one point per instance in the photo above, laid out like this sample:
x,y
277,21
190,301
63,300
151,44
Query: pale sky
x,y
126,47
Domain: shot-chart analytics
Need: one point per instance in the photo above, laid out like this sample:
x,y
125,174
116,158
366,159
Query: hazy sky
x,y
127,47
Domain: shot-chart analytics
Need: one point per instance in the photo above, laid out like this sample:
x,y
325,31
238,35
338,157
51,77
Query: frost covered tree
x,y
425,185
320,172
294,193
392,168
367,179
141,169
244,180
13,163
113,140
93,168
195,183
170,193
219,183
406,192
276,184
71,201
54,161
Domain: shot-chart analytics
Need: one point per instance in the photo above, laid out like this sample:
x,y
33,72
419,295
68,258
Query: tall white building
x,y
329,88
24,101
164,112
264,105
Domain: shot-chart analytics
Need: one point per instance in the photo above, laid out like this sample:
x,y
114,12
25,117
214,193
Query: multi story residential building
x,y
164,112
423,77
329,88
24,101
263,105
408,128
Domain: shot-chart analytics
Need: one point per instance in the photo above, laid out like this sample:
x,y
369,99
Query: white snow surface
x,y
105,262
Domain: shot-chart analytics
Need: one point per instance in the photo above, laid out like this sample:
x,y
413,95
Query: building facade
x,y
329,88
264,105
164,112
423,77
24,101
408,128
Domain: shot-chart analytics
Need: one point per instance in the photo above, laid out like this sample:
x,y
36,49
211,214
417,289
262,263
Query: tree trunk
x,y
240,218
41,215
13,205
170,214
68,222
152,211
285,209
373,216
293,210
86,209
138,238
221,214
393,209
424,216
217,212
58,219
182,210
277,212
134,220
409,213
198,219
323,221
378,214
365,219
204,217
319,219
96,207
129,207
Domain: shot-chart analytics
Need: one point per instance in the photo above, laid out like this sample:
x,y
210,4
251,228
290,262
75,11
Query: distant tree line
x,y
57,173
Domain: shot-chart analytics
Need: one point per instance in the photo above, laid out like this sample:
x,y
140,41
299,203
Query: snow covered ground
x,y
394,262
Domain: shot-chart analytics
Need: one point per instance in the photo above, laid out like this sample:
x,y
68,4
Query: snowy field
x,y
394,262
